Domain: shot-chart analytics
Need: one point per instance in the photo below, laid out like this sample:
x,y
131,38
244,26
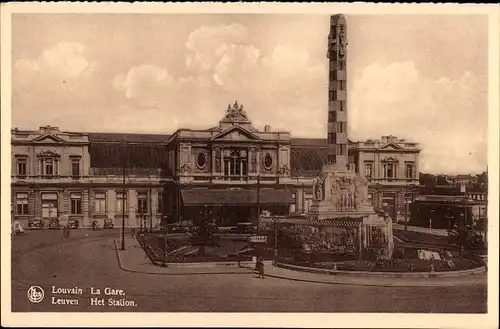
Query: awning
x,y
201,197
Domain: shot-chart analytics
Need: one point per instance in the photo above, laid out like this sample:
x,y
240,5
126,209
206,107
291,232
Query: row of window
x,y
389,170
48,166
49,203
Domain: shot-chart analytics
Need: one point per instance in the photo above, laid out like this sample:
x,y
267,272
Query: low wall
x,y
448,274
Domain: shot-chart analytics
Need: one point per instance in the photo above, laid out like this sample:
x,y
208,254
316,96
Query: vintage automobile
x,y
54,224
108,224
73,223
35,224
245,228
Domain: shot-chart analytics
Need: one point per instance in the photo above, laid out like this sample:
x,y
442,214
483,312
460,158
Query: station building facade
x,y
232,170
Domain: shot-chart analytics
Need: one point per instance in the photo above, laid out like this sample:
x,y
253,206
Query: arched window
x,y
235,164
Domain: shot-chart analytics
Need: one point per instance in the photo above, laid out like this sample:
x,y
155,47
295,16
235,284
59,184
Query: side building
x,y
232,172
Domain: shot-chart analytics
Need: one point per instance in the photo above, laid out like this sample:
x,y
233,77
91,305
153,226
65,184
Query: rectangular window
x,y
409,170
121,202
21,167
75,167
76,203
342,85
331,95
160,203
332,159
389,170
368,169
142,202
100,203
49,167
22,203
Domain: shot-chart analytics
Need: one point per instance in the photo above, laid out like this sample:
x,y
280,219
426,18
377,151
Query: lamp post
x,y
165,244
150,208
258,201
276,223
123,197
430,221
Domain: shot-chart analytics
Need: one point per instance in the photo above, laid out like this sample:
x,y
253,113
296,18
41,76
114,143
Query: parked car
x,y
73,223
35,224
108,224
213,228
54,224
246,228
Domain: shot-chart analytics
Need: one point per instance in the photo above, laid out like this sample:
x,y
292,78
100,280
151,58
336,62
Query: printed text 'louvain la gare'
x,y
98,296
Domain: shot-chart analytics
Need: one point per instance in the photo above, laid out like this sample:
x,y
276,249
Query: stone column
x,y
132,205
360,241
154,206
111,205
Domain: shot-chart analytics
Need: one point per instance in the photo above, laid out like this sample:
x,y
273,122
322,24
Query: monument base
x,y
339,195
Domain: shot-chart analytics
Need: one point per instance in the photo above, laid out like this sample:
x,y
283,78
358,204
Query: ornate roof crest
x,y
235,113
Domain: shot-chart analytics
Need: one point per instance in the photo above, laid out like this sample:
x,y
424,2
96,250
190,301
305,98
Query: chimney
x,y
267,128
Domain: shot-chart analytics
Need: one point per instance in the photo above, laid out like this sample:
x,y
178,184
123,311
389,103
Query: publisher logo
x,y
35,294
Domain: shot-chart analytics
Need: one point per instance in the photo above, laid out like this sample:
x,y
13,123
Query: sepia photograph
x,y
332,161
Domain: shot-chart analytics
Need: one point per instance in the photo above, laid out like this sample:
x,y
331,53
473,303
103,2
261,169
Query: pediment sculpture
x,y
235,112
48,154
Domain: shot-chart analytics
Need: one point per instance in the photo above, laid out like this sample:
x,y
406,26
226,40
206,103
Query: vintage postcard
x,y
278,165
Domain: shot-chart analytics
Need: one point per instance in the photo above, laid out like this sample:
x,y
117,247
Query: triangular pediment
x,y
236,133
47,138
390,146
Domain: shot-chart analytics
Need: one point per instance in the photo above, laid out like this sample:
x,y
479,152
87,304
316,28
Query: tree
x,y
204,237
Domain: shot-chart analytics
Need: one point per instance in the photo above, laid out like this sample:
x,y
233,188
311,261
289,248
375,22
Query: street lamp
x,y
430,221
123,196
165,244
276,223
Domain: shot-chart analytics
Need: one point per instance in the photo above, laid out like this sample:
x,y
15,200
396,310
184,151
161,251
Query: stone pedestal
x,y
340,194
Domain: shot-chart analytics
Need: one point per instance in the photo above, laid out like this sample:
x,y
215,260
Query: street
x,y
87,261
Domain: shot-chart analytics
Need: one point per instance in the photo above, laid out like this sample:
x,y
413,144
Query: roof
x,y
110,155
307,161
307,155
129,138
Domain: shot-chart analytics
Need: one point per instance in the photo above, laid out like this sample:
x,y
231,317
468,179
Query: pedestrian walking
x,y
66,231
260,268
94,225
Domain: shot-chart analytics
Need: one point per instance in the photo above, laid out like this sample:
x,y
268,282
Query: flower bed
x,y
154,248
393,265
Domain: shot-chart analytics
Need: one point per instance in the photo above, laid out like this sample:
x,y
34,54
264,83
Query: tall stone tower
x,y
337,93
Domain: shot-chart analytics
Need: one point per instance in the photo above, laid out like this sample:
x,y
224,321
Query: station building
x,y
232,170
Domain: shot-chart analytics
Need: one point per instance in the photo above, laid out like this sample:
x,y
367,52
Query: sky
x,y
419,77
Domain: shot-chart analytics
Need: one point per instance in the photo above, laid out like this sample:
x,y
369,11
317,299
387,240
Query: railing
x,y
128,172
235,178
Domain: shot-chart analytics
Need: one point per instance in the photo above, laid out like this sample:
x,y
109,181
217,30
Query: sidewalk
x,y
133,259
426,230
281,273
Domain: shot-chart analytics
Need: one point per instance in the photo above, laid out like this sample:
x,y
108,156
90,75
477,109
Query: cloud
x,y
207,44
449,116
226,67
286,88
65,60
